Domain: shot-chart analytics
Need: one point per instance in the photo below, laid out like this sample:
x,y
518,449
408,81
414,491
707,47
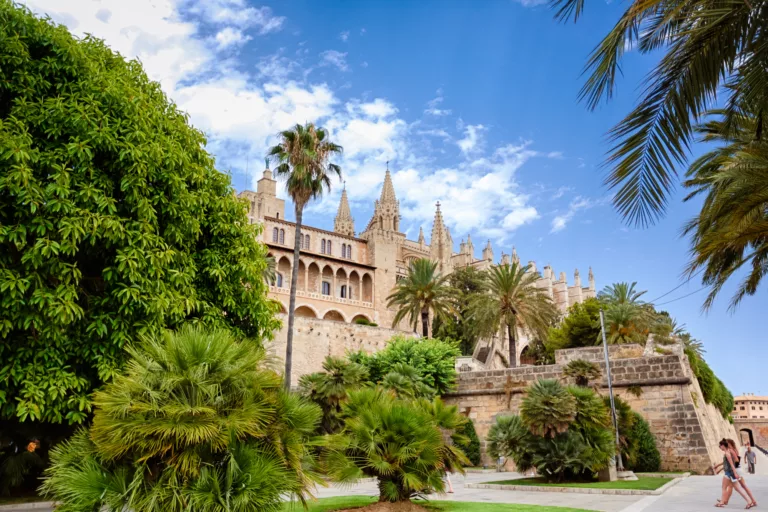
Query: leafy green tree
x,y
329,389
731,230
510,300
471,447
579,328
114,222
303,160
548,409
406,382
423,290
704,46
433,359
647,457
195,423
582,371
399,442
466,283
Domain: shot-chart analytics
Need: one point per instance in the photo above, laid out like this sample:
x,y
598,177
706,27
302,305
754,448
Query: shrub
x,y
579,328
328,389
647,457
195,423
543,439
400,442
365,321
712,388
114,222
433,359
471,447
582,371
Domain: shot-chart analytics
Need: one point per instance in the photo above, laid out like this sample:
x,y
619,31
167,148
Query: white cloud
x,y
557,155
578,203
432,105
231,37
237,12
334,58
532,3
344,36
473,138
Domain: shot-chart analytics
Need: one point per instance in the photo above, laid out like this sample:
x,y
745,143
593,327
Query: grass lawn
x,y
642,484
330,504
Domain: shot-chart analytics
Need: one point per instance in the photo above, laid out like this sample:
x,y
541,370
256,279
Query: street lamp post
x,y
619,462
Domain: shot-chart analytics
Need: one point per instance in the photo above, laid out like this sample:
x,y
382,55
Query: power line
x,y
676,287
684,296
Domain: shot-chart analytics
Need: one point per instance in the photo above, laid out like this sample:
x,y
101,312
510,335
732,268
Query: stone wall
x,y
314,339
659,388
757,427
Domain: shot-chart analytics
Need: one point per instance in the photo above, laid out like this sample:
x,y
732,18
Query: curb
x,y
576,490
481,471
35,505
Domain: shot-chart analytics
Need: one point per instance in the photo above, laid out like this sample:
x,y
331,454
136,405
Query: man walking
x,y
750,458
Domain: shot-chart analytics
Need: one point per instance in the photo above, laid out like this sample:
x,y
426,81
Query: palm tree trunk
x,y
512,346
292,303
425,322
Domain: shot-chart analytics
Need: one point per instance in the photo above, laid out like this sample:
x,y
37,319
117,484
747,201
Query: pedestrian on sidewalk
x,y
737,463
751,459
730,482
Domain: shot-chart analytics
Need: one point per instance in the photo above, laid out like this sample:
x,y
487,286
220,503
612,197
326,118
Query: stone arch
x,y
342,289
283,309
361,316
526,357
306,311
334,315
354,285
327,277
283,268
367,288
302,280
313,278
749,435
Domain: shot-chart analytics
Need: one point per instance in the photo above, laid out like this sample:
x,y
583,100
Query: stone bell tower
x,y
344,224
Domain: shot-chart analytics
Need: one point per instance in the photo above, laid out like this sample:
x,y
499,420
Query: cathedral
x,y
346,276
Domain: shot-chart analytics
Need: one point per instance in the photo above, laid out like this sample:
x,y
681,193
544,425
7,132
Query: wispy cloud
x,y
561,221
473,138
334,58
344,35
433,105
229,37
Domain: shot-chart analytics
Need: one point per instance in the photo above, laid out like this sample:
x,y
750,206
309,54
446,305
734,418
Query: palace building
x,y
346,276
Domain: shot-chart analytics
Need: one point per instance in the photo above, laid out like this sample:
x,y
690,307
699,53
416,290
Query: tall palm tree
x,y
626,323
511,299
731,231
621,293
705,44
303,160
421,291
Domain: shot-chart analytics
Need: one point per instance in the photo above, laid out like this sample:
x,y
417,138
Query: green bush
x,y
114,222
365,321
564,433
433,359
713,389
471,446
195,423
400,442
647,458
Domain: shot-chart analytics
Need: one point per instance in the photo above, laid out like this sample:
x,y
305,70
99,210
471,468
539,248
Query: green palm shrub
x,y
196,422
405,444
548,409
562,432
329,388
582,371
404,380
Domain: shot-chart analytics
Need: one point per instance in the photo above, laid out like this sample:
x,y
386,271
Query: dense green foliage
x,y
647,458
195,423
302,156
466,283
433,360
471,447
582,371
114,222
329,389
713,389
406,444
579,328
422,291
562,432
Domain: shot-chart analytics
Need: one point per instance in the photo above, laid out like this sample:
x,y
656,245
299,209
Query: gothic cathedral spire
x,y
440,245
386,210
344,224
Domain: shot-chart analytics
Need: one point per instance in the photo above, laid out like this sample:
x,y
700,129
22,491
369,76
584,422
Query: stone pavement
x,y
698,493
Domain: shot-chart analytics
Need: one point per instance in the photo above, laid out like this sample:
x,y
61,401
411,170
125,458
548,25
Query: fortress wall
x,y
314,339
660,388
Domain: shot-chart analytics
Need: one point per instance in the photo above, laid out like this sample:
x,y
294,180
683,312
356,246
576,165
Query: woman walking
x,y
736,457
729,478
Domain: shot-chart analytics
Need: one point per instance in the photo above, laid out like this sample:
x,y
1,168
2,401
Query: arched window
x,y
343,250
343,291
275,235
279,280
301,242
322,246
329,248
306,242
277,215
282,236
326,288
349,252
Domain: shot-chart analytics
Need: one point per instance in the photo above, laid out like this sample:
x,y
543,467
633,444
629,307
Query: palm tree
x,y
511,299
626,323
621,293
731,231
303,159
706,43
421,291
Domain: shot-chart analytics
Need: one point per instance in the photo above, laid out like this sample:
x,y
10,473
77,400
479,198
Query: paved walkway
x,y
697,493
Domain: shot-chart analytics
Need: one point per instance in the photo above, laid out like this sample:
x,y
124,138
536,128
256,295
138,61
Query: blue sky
x,y
473,103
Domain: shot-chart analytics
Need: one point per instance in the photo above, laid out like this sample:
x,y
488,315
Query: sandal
x,y
719,505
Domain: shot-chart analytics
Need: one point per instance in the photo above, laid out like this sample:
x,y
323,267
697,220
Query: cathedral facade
x,y
346,276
